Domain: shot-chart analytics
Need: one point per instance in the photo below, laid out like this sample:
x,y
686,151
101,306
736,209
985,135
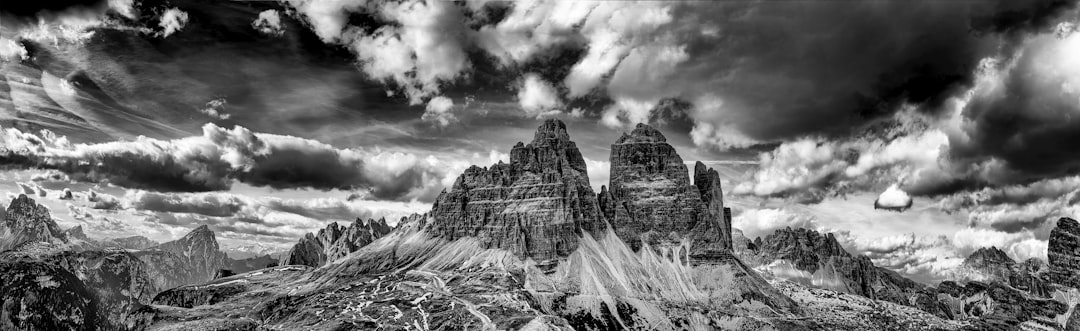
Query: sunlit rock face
x,y
1063,253
651,199
334,242
535,206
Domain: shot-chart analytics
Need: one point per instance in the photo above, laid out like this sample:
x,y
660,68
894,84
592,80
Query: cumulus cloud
x,y
599,172
218,157
216,109
811,168
99,200
421,47
762,222
269,22
439,111
538,97
893,198
172,20
969,240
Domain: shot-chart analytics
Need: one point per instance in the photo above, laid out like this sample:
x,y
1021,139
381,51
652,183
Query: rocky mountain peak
x,y
1063,253
201,235
26,221
535,206
552,130
987,256
653,200
642,133
193,258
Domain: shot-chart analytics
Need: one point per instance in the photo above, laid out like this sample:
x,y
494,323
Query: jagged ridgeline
x,y
525,245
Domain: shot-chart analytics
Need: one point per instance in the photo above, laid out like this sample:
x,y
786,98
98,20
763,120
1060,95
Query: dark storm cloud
x,y
790,69
220,156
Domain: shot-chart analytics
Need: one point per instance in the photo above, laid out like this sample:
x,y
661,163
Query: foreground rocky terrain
x,y
529,245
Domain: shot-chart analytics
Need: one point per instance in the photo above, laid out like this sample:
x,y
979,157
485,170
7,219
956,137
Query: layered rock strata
x,y
536,206
651,199
1063,253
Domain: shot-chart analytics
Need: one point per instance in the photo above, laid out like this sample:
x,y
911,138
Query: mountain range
x,y
526,245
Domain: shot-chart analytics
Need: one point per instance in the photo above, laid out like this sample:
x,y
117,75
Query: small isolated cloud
x,y
172,20
537,96
102,200
439,111
893,199
216,109
11,50
763,222
269,22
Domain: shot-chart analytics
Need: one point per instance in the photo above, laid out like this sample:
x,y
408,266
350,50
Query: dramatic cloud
x,y
172,20
220,156
537,97
811,168
269,22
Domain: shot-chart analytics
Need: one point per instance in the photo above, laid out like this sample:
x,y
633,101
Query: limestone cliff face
x,y
652,200
334,242
1063,253
535,206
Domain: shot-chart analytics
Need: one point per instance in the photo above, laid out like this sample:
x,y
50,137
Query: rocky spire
x,y
718,221
1063,253
535,206
26,221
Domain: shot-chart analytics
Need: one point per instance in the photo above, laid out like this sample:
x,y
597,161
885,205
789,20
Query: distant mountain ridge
x,y
94,284
334,242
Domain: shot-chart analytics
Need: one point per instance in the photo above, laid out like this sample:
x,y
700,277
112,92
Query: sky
x,y
269,119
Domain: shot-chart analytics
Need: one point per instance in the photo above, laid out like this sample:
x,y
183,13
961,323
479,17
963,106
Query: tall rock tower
x,y
536,206
652,200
